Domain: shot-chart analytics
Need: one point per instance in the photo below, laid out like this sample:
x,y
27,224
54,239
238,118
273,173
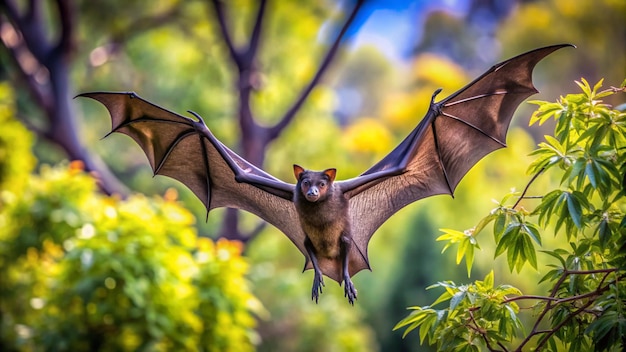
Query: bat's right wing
x,y
454,135
184,149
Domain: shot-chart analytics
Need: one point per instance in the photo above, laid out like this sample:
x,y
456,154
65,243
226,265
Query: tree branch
x,y
30,25
144,24
528,186
14,43
256,35
221,19
481,332
67,20
553,302
274,131
43,67
551,332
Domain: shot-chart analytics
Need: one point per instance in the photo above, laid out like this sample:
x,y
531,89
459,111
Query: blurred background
x,y
95,253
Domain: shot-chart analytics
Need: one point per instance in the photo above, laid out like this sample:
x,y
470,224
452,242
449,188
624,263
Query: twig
x,y
551,332
528,186
568,299
290,114
256,35
221,20
143,24
482,332
553,302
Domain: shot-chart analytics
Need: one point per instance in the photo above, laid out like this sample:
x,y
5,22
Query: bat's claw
x,y
349,290
318,283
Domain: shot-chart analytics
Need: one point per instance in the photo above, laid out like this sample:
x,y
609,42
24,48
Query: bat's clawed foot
x,y
349,290
318,283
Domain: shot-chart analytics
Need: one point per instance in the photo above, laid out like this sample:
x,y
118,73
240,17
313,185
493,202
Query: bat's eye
x,y
322,184
306,183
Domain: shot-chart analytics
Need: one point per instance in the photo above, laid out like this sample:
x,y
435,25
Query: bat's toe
x,y
318,283
350,291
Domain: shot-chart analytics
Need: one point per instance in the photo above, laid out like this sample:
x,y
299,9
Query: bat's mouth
x,y
312,197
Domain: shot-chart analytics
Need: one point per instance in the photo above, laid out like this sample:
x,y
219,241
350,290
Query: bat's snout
x,y
313,194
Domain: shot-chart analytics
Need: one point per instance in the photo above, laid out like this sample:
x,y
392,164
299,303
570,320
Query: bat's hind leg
x,y
318,279
349,290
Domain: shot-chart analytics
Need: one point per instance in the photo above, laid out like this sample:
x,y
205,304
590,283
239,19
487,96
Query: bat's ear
x,y
331,173
297,171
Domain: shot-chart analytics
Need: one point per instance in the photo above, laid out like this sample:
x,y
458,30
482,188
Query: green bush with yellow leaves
x,y
82,271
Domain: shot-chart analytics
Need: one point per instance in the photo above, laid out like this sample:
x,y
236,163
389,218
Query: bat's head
x,y
314,185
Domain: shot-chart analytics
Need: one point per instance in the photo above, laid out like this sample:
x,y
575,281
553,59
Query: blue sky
x,y
394,25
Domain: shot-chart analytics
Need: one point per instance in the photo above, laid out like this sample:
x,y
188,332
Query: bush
x,y
82,271
16,160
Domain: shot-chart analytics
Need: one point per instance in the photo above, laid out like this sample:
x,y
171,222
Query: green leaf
x,y
488,280
507,239
464,244
469,258
484,222
604,232
556,255
584,86
456,299
499,226
443,297
596,87
529,252
533,231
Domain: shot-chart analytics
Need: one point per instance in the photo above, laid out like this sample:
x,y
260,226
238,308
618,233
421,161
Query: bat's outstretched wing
x,y
184,149
453,136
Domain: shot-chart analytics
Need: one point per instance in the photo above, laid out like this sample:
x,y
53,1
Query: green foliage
x,y
476,314
16,161
81,271
583,309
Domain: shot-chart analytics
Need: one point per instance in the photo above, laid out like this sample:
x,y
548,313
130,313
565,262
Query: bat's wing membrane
x,y
184,149
455,134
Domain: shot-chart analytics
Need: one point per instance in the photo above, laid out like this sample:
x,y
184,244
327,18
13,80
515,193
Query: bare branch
x,y
221,19
27,66
256,34
67,18
523,297
42,67
10,8
290,114
527,186
30,25
143,24
257,230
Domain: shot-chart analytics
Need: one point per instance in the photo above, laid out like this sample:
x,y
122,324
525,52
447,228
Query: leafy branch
x,y
552,301
584,307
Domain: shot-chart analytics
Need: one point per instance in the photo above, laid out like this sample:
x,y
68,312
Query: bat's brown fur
x,y
323,213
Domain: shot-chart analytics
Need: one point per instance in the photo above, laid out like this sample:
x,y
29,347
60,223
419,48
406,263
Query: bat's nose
x,y
312,194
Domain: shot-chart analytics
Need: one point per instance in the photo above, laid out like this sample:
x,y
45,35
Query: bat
x,y
332,221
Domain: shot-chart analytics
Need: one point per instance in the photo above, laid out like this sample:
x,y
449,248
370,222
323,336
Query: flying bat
x,y
332,221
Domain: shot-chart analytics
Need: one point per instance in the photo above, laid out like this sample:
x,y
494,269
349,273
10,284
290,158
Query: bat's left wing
x,y
453,136
184,149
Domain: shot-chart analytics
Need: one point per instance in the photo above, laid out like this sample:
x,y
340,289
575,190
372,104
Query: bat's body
x,y
331,222
323,212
